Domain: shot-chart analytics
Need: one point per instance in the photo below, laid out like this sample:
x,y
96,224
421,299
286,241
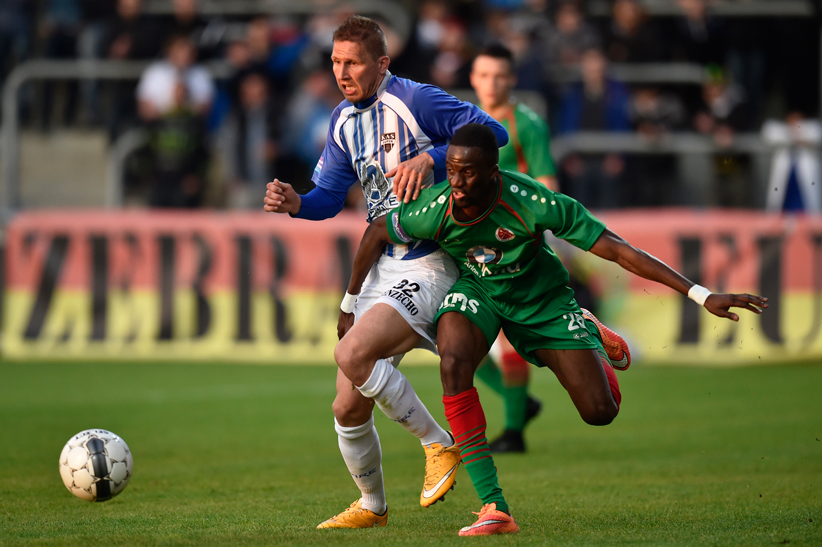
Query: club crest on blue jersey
x,y
387,141
483,255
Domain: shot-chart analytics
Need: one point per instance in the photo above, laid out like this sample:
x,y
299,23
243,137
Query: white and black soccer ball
x,y
95,465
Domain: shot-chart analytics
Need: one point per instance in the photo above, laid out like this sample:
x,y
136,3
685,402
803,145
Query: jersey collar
x,y
370,101
484,215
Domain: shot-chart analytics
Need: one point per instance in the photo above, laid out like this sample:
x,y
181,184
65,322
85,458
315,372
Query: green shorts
x,y
554,322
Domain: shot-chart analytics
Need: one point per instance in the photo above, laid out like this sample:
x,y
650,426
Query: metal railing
x,y
725,8
694,154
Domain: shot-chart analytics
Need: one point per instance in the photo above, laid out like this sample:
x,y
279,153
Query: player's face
x,y
493,80
358,74
471,176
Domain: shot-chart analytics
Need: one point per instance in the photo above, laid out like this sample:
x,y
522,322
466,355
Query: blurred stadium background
x,y
131,207
139,269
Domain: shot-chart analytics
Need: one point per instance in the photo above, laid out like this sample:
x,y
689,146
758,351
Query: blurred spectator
x,y
452,62
15,38
570,35
131,36
156,92
598,103
424,42
523,33
723,111
90,47
60,28
699,36
746,56
251,136
794,182
291,45
186,21
722,114
631,36
258,43
654,113
307,115
179,153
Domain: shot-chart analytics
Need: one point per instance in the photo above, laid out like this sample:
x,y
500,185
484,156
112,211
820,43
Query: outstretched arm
x,y
371,246
612,247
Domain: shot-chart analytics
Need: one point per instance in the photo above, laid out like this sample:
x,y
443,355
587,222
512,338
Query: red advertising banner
x,y
262,287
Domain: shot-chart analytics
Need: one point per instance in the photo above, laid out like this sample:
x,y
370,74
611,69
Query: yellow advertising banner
x,y
263,288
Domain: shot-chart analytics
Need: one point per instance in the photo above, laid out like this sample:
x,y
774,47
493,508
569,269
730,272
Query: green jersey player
x,y
491,223
493,78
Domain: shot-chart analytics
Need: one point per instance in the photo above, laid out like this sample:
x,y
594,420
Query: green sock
x,y
490,374
516,404
480,466
467,420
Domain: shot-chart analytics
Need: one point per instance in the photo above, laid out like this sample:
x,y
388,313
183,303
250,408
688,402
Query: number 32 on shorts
x,y
407,288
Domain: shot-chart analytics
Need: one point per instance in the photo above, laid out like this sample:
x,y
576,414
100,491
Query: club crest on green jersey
x,y
504,234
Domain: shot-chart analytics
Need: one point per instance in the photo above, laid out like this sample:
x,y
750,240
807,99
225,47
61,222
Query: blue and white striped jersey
x,y
367,140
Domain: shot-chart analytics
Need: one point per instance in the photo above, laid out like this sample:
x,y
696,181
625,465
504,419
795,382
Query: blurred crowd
x,y
216,140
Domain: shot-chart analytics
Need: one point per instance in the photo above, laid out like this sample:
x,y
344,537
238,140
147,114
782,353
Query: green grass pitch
x,y
229,454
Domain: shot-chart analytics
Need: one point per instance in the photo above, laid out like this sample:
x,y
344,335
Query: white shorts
x,y
415,288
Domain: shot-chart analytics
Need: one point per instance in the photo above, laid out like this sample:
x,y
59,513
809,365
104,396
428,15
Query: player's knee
x,y
456,373
348,414
600,413
352,362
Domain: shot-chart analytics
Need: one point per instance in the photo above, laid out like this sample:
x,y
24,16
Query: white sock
x,y
392,392
360,449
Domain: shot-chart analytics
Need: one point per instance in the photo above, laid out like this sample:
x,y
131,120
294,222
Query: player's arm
x,y
612,247
439,115
318,204
333,177
371,247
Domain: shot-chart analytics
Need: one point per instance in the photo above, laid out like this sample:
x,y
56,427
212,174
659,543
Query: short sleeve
x,y
419,219
568,219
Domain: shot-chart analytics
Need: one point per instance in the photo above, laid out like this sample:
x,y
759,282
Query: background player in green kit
x,y
491,222
529,152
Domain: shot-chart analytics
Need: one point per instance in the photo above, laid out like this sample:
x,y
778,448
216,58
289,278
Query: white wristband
x,y
348,301
699,294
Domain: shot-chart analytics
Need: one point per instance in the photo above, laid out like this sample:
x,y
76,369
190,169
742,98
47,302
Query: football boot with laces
x,y
441,464
356,516
491,521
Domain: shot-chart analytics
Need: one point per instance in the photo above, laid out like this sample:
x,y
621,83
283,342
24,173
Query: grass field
x,y
246,455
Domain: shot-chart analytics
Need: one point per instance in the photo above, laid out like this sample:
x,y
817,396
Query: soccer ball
x,y
95,465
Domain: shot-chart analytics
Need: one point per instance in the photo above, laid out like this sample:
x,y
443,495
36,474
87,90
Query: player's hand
x,y
720,304
409,176
344,323
281,197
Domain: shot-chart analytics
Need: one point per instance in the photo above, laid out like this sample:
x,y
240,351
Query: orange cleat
x,y
491,522
356,517
615,346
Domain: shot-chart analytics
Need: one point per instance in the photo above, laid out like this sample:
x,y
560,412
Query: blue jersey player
x,y
389,135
